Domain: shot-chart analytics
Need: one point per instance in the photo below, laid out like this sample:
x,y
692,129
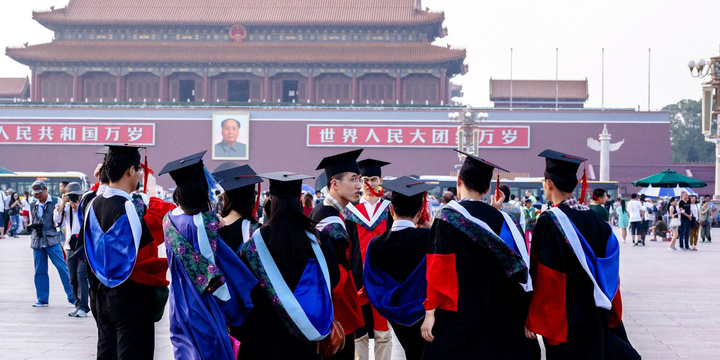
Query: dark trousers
x,y
684,231
124,321
410,338
77,270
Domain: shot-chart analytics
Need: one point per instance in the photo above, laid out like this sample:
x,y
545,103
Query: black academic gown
x,y
232,234
263,335
123,314
491,308
587,325
398,254
345,247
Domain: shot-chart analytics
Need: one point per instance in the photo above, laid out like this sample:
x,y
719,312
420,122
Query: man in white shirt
x,y
636,212
67,214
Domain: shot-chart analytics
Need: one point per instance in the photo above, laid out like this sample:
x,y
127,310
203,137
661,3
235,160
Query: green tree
x,y
687,142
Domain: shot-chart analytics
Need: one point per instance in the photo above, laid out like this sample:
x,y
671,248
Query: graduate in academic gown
x,y
210,286
240,202
126,271
293,304
478,290
575,273
371,218
395,265
344,186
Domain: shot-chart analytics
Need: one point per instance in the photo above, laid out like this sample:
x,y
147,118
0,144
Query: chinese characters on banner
x,y
76,133
414,136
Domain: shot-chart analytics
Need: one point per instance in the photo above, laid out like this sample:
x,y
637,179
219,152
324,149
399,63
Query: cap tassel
x,y
424,214
148,171
583,191
373,192
212,185
257,200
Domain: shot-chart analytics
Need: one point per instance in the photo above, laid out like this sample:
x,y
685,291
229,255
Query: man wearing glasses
x,y
344,187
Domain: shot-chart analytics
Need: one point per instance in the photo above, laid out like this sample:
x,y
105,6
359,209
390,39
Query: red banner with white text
x,y
57,133
424,136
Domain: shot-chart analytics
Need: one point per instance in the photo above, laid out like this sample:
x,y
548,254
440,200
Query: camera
x,y
37,227
73,197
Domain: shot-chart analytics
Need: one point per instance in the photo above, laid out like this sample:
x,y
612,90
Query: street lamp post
x,y
468,131
701,69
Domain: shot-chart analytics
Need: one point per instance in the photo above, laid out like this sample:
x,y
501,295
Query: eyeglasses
x,y
353,179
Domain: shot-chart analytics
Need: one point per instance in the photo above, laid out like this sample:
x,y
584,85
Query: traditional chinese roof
x,y
539,89
243,12
14,87
98,52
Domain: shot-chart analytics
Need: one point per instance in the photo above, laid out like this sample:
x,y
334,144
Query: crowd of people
x,y
14,213
288,274
686,219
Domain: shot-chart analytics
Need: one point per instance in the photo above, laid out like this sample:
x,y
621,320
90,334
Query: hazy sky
x,y
676,31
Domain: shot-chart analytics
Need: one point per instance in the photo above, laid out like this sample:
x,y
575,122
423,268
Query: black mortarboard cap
x,y
340,163
237,177
113,149
119,155
185,169
286,184
477,169
561,168
407,186
371,167
407,192
103,150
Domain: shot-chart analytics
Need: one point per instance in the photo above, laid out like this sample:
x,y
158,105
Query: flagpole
x,y
602,103
511,78
556,79
648,107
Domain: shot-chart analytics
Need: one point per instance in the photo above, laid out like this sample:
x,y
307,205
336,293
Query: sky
x,y
675,31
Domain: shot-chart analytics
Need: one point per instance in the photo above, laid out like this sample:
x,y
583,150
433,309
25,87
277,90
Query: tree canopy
x,y
687,142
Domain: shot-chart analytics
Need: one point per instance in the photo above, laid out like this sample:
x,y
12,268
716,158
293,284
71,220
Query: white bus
x,y
21,181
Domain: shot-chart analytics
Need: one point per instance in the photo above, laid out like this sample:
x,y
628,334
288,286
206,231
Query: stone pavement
x,y
671,306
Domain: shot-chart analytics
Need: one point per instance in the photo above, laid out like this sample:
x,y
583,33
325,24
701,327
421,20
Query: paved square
x,y
671,306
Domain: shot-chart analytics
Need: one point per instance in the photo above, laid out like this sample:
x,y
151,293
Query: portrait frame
x,y
240,149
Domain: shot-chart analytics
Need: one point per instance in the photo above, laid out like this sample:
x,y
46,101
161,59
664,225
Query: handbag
x,y
159,299
235,343
675,222
694,223
704,223
334,342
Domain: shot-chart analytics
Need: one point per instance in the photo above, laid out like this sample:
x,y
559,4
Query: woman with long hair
x,y
307,201
210,287
673,225
296,276
239,209
694,222
623,219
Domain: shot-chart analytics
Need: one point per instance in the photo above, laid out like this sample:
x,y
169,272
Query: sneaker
x,y
73,313
40,304
81,313
672,248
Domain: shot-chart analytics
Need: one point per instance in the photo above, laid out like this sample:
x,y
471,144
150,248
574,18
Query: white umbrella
x,y
651,191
